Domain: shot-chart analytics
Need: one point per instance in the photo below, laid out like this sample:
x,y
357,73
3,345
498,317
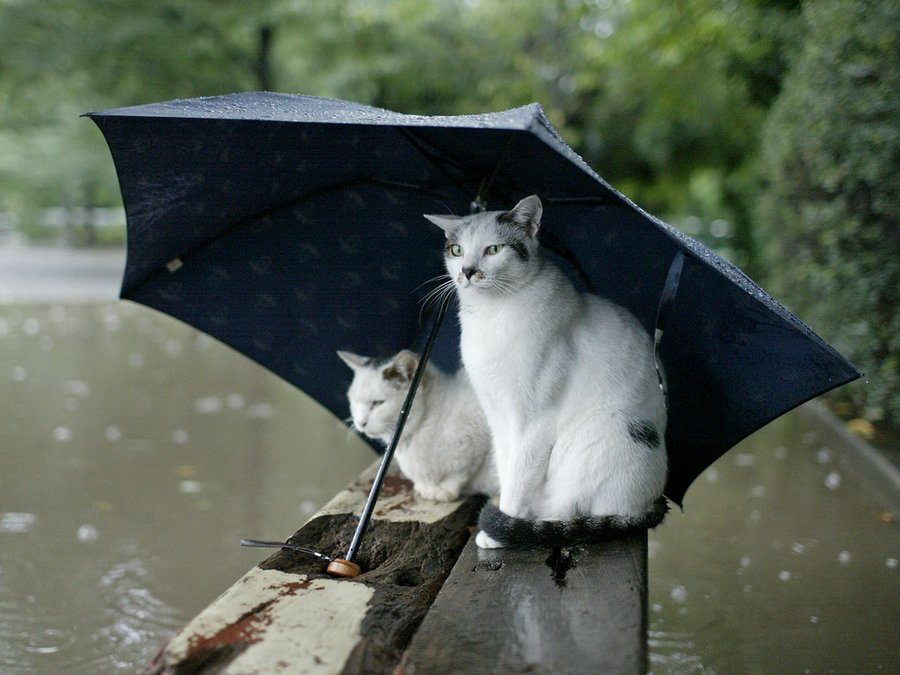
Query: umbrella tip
x,y
343,568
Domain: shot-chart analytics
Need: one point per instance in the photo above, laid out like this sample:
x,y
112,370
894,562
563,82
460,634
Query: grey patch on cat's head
x,y
525,215
401,368
644,432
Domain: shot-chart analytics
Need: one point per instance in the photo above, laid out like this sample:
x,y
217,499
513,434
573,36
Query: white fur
x,y
559,375
445,446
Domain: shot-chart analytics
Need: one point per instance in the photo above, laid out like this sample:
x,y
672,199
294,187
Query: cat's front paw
x,y
482,540
435,493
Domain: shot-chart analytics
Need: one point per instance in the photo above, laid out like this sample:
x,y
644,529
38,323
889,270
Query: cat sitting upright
x,y
567,382
445,446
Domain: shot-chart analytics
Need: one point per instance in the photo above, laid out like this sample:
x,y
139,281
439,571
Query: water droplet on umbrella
x,y
136,360
4,327
833,480
758,491
784,575
798,548
180,436
824,456
18,374
844,557
891,563
780,452
112,434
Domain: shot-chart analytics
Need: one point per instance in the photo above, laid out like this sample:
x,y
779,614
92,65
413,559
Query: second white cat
x,y
445,446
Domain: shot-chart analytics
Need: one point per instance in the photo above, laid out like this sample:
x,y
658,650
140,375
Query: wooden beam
x,y
288,616
572,610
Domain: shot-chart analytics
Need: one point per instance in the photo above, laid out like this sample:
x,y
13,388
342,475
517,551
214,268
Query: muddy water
x,y
135,452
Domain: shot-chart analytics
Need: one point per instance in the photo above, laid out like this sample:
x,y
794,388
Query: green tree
x,y
832,206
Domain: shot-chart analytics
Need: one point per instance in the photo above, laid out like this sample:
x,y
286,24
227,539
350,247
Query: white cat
x,y
445,446
568,384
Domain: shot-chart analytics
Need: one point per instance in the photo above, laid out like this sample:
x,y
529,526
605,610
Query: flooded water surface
x,y
136,452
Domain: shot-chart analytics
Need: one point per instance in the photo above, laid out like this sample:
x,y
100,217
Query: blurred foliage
x,y
666,100
832,205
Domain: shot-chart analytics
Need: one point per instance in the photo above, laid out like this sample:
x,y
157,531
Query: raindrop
x,y
112,434
62,434
755,516
236,401
891,563
18,374
180,436
758,491
833,480
844,557
824,456
136,360
46,343
17,523
208,405
780,452
656,607
712,476
261,411
173,347
87,534
76,388
748,588
4,327
112,322
798,548
814,619
745,562
307,507
744,459
31,326
190,487
679,594
784,575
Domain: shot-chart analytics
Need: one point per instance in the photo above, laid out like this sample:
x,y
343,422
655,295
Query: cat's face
x,y
378,390
492,252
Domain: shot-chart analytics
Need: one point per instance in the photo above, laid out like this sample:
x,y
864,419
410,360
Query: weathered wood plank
x,y
576,610
288,616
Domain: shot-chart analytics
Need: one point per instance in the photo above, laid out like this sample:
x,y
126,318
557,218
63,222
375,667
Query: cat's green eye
x,y
455,250
494,249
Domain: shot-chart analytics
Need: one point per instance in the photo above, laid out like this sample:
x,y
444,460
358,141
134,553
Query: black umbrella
x,y
291,226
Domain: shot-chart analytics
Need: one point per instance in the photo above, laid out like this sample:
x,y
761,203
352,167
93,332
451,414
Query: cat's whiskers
x,y
437,295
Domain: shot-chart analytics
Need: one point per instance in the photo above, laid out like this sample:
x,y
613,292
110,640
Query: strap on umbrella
x,y
666,301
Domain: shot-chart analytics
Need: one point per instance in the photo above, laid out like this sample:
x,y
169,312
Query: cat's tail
x,y
516,532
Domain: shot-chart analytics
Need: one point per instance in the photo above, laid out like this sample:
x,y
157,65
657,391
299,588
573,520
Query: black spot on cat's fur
x,y
520,250
644,432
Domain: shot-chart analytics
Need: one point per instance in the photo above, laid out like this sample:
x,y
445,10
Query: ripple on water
x,y
127,622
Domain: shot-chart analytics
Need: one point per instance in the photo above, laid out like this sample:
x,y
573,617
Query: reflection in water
x,y
136,452
135,455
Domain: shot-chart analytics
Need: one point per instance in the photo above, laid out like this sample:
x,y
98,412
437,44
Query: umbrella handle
x,y
345,567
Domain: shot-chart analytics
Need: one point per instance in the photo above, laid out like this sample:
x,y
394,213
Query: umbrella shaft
x,y
366,514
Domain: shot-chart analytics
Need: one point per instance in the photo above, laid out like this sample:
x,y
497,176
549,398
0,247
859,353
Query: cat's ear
x,y
448,224
527,214
355,361
402,367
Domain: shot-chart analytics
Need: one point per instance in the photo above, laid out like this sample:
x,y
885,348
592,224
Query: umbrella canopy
x,y
291,226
